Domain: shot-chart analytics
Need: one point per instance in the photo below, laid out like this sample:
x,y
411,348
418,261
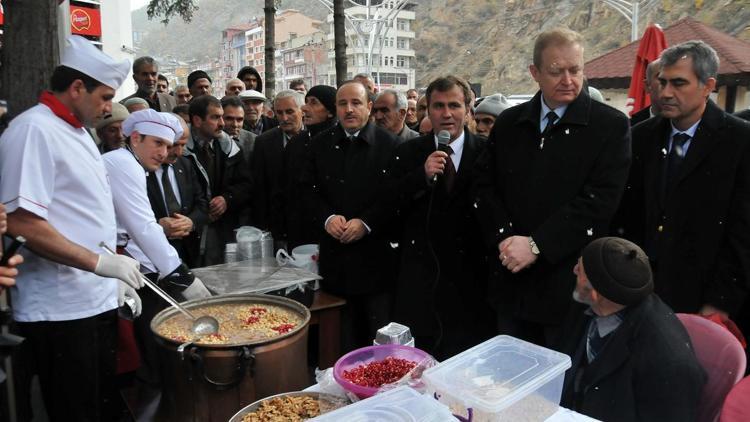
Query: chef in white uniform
x,y
57,195
150,134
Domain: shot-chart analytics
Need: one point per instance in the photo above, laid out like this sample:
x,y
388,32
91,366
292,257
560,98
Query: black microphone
x,y
443,138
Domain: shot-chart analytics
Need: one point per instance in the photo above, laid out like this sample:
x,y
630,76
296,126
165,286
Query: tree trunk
x,y
30,51
270,10
339,35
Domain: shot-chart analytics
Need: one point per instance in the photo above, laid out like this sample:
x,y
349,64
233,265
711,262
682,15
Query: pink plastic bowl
x,y
369,354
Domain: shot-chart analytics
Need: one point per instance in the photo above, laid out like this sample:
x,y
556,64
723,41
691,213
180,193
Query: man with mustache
x,y
688,202
146,76
347,185
548,183
268,161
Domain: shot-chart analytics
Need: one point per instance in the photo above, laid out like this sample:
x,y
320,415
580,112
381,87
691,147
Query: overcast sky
x,y
137,4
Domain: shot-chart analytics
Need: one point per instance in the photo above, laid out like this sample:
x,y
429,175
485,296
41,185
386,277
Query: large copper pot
x,y
207,382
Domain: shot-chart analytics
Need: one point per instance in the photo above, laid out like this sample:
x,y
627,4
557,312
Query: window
x,y
402,24
393,78
402,44
402,61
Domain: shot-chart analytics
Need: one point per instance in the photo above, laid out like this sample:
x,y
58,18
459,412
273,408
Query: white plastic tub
x,y
502,379
401,404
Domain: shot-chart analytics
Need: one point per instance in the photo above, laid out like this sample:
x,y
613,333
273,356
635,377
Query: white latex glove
x,y
124,290
197,290
121,267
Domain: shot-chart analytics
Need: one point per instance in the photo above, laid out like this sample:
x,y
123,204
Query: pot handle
x,y
245,357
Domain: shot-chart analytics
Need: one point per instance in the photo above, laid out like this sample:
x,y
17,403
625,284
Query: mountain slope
x,y
486,41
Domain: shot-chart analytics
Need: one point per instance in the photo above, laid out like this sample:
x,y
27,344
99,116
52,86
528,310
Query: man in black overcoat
x,y
441,289
632,359
268,164
548,183
688,196
348,187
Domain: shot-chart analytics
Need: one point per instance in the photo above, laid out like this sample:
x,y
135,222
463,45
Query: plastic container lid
x,y
401,404
496,373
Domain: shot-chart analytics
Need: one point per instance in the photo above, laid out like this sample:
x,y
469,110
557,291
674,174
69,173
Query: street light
x,y
379,16
632,11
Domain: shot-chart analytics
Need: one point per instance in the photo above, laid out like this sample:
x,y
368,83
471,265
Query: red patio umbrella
x,y
651,45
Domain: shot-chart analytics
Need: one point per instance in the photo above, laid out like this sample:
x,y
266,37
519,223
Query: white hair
x,y
298,97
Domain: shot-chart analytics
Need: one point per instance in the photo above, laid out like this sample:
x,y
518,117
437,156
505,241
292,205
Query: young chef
x,y
56,193
150,134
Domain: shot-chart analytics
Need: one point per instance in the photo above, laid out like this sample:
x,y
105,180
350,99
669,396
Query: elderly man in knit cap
x,y
109,130
318,114
199,83
487,111
255,120
632,358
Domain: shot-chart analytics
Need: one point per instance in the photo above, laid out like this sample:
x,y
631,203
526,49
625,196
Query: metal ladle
x,y
203,326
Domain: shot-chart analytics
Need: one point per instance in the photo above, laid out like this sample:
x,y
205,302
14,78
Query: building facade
x,y
304,58
393,58
244,45
105,23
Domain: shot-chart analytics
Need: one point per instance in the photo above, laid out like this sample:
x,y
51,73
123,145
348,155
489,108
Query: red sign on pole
x,y
85,21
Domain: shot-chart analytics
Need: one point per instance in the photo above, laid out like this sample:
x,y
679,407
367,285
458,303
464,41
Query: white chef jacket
x,y
147,242
52,169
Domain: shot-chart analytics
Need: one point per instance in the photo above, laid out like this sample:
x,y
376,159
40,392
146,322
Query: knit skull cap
x,y
618,269
80,54
493,105
326,95
118,114
195,75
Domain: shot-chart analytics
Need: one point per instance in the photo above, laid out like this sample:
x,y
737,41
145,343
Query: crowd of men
x,y
552,221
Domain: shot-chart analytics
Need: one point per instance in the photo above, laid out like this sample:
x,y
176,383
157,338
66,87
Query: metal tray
x,y
335,402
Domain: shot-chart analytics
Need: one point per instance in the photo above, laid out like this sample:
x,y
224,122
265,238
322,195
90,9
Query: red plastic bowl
x,y
369,354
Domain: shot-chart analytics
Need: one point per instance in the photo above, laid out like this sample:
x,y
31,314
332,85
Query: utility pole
x,y
632,10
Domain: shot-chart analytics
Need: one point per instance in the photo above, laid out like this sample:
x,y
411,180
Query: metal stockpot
x,y
210,382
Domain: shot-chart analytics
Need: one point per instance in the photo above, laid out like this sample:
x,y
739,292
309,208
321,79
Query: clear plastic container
x,y
502,379
401,404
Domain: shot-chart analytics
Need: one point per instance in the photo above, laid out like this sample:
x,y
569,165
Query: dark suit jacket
x,y
268,168
233,181
194,205
702,251
298,223
647,371
454,302
166,101
563,195
642,115
353,180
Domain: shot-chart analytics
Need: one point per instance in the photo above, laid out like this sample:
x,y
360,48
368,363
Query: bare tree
x,y
26,72
270,10
339,36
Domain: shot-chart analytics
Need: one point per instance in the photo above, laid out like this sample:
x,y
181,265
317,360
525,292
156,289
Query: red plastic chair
x,y
737,404
721,356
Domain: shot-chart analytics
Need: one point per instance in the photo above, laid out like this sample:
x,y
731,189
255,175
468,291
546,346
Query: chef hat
x,y
165,126
80,54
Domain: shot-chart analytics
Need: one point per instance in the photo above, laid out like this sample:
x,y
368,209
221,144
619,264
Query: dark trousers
x,y
152,305
76,362
533,332
362,317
